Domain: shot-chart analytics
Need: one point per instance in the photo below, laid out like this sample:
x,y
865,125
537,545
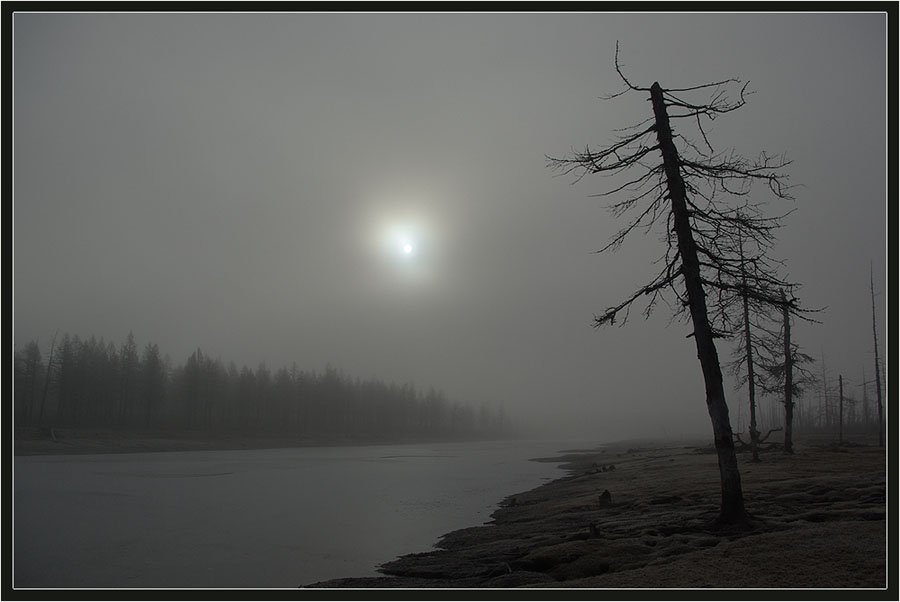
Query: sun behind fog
x,y
402,239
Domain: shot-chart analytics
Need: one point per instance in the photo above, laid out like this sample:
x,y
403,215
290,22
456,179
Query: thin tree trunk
x,y
751,379
732,509
841,410
825,393
877,369
788,380
865,401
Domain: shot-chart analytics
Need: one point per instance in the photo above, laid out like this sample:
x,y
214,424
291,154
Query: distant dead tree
x,y
785,369
793,387
826,406
717,239
841,410
758,332
743,365
877,369
865,399
755,332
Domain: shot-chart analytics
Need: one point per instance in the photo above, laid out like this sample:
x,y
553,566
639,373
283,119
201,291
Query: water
x,y
253,519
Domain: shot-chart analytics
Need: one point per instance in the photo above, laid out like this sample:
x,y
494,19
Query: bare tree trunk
x,y
877,369
751,384
825,393
841,410
788,381
865,401
732,509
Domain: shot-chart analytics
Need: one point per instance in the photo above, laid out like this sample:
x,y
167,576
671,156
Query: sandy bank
x,y
820,524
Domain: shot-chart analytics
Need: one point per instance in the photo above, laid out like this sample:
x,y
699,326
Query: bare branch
x,y
663,280
622,75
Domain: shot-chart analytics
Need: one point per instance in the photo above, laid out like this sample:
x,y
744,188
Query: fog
x,y
248,184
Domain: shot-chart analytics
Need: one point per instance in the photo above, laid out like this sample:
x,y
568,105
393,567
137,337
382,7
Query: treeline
x,y
92,383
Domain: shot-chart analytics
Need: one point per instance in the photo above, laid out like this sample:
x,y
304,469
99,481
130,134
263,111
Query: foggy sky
x,y
232,182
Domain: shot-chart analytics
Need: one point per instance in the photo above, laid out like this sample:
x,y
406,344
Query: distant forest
x,y
94,384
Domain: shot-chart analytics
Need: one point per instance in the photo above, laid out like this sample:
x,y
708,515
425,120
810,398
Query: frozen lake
x,y
270,518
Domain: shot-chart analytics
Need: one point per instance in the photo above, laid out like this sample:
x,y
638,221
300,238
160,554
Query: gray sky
x,y
242,183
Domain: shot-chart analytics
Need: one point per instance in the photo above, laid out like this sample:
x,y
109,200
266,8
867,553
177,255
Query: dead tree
x,y
759,339
743,364
746,369
701,197
877,369
786,372
758,333
760,443
841,410
751,384
788,382
827,405
865,400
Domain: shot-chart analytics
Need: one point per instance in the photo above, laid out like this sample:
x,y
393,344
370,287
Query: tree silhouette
x,y
717,238
91,384
877,369
31,369
744,359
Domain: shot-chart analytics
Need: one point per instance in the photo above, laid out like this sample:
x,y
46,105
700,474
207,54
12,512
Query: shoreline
x,y
638,514
628,514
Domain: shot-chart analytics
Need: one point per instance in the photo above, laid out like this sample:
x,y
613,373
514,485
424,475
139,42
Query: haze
x,y
247,184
